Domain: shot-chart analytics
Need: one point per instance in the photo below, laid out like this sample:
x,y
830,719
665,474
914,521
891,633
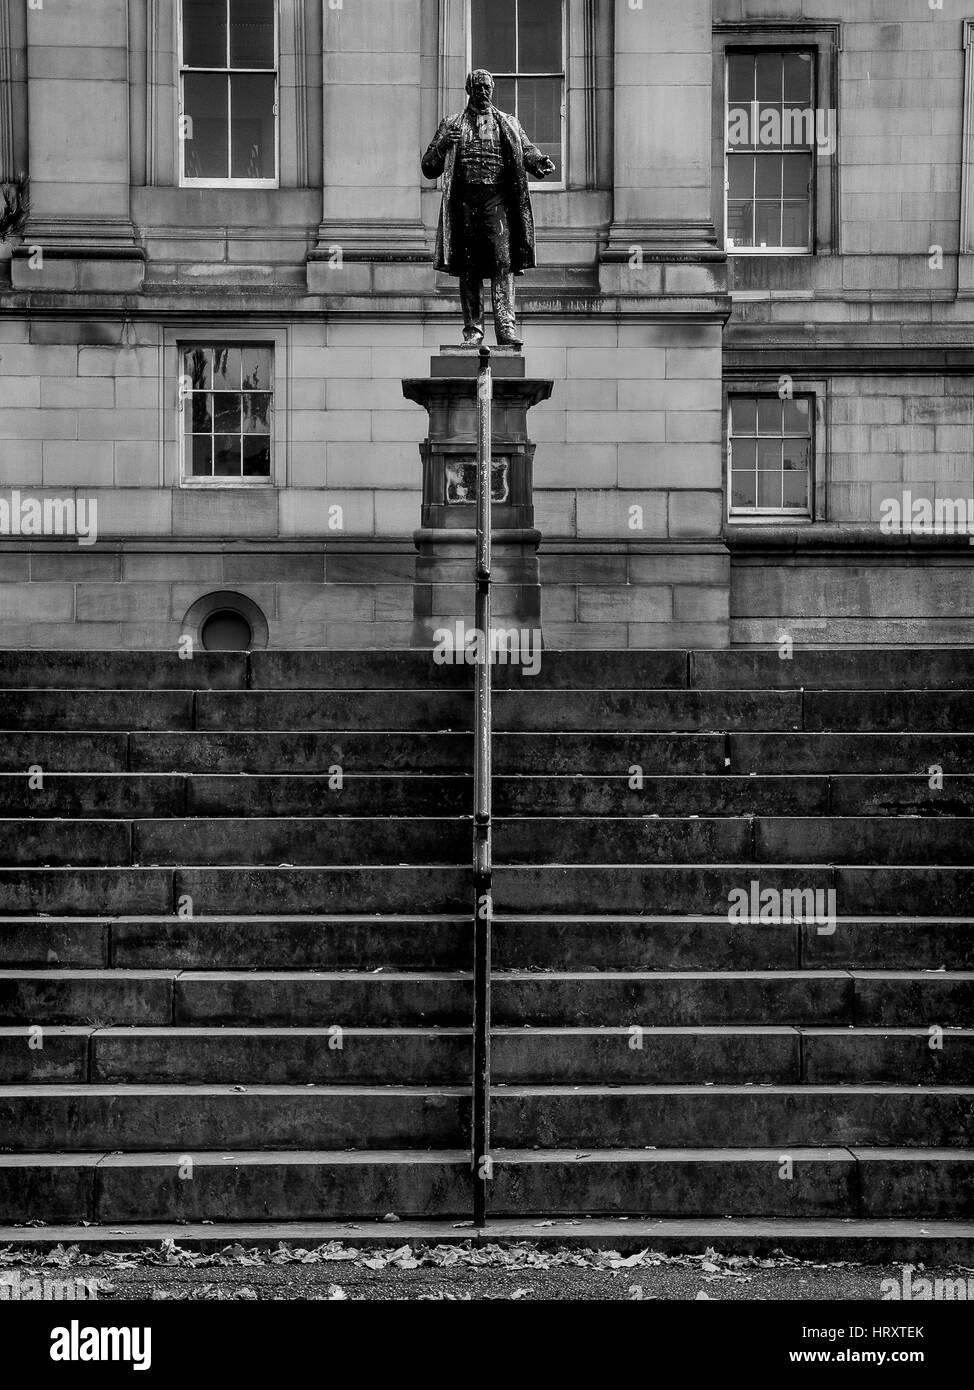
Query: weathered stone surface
x,y
677,1116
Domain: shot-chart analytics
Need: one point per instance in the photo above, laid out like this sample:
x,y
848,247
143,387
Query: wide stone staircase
x,y
236,948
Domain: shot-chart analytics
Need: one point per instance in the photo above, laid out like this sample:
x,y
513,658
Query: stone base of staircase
x,y
935,1244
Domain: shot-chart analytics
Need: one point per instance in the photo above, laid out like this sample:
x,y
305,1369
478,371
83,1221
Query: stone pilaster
x,y
662,135
372,147
80,164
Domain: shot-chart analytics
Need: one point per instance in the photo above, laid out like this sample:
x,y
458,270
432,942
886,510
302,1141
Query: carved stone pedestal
x,y
444,586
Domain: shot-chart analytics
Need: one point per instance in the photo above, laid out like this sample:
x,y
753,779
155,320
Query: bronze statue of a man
x,y
486,226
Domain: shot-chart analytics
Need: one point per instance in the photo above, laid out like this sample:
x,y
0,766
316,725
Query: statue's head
x,y
480,89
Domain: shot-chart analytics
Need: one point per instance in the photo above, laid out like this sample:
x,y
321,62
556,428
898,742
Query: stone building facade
x,y
754,299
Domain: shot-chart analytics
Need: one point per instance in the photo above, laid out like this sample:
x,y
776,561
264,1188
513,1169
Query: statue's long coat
x,y
520,159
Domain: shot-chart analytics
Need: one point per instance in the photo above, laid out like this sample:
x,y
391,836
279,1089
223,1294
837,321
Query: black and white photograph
x,y
486,684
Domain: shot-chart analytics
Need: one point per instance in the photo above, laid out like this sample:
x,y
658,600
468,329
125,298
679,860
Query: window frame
x,y
731,50
182,69
190,333
817,389
824,38
536,185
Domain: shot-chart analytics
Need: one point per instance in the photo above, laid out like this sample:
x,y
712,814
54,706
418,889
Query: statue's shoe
x,y
472,337
508,337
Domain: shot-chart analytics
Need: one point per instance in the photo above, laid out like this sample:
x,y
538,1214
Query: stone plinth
x,y
446,538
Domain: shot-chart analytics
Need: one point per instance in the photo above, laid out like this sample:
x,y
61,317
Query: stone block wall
x,y
879,324
627,479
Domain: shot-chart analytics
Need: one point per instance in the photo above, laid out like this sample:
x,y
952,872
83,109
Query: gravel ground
x,y
404,1274
436,1284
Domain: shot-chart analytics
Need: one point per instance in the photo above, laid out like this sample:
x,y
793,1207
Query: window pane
x,y
206,143
539,111
202,413
252,114
505,95
744,490
256,414
769,455
494,35
197,367
769,129
251,33
205,33
768,176
202,456
798,79
797,455
767,224
226,369
740,175
795,492
740,223
744,415
226,408
540,47
795,228
769,415
740,77
226,459
739,128
770,69
744,455
796,417
769,489
257,456
797,173
798,127
256,369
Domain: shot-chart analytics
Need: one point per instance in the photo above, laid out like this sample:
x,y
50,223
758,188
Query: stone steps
x,y
723,1054
313,1185
443,942
125,795
515,710
383,840
191,1118
626,889
566,754
604,998
189,911
830,668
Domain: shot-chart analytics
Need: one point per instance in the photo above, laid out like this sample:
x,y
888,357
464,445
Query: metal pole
x,y
482,862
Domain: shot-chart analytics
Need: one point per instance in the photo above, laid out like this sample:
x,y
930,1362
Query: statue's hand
x,y
451,136
546,167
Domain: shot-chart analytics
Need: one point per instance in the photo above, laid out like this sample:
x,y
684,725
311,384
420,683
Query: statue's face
x,y
481,91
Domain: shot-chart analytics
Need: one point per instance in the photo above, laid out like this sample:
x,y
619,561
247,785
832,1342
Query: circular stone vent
x,y
226,622
226,631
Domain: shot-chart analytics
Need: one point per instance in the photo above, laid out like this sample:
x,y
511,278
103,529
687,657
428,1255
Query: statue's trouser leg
x,y
472,304
502,288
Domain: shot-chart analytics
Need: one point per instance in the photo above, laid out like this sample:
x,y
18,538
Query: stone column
x,y
78,94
